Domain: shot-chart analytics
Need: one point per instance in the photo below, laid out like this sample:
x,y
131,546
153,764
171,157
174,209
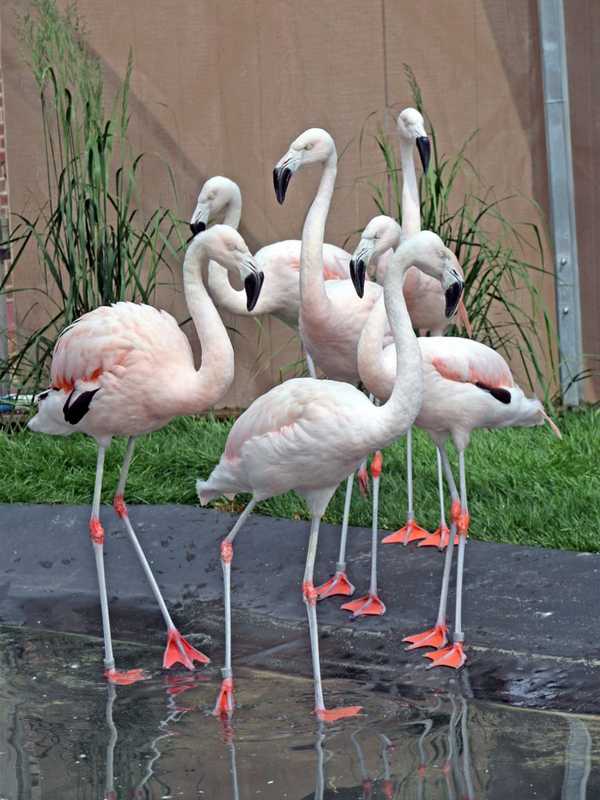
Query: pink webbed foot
x,y
434,637
411,532
125,677
453,657
439,538
335,714
369,605
180,651
225,701
338,585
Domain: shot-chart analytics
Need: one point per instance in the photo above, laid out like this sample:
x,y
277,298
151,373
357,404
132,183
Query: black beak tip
x,y
358,273
197,227
453,296
424,148
253,284
281,179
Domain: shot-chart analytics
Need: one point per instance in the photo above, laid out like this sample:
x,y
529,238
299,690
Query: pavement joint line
x,y
588,662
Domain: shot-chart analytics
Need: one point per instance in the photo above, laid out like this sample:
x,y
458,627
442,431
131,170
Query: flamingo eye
x,y
308,146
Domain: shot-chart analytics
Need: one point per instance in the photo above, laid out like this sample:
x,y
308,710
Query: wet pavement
x,y
64,733
529,613
518,719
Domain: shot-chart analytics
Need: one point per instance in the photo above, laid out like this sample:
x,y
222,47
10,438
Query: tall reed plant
x,y
92,243
502,295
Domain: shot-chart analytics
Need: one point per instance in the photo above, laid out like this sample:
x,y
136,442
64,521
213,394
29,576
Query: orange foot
x,y
180,651
333,714
409,533
453,656
225,701
369,605
434,637
125,677
439,538
338,585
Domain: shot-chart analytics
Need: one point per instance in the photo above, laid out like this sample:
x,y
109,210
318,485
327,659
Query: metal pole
x,y
562,197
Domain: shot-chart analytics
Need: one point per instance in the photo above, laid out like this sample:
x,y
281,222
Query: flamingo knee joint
x,y
226,552
96,531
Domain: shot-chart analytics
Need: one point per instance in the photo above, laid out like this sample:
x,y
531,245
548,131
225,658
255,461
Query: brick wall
x,y
7,316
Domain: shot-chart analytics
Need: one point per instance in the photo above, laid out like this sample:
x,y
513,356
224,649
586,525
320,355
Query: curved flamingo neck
x,y
411,205
370,361
399,412
216,370
313,297
225,295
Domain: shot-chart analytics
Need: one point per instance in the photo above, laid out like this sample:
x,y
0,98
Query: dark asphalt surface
x,y
530,614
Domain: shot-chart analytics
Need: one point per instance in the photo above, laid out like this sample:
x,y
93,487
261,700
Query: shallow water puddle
x,y
65,734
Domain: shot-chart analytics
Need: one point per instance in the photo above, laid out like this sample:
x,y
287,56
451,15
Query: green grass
x,y
525,486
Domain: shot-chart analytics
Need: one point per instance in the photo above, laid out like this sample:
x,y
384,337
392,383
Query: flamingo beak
x,y
553,426
281,179
200,217
253,284
453,294
358,273
197,227
424,148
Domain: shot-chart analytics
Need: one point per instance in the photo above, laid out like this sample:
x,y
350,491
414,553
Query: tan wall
x,y
221,88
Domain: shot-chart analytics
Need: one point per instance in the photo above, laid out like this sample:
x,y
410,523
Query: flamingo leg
x,y
441,536
438,635
412,531
310,600
370,604
178,649
225,701
339,583
454,656
97,536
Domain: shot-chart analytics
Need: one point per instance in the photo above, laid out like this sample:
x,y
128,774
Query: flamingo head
x,y
411,128
314,146
429,254
215,196
381,234
224,244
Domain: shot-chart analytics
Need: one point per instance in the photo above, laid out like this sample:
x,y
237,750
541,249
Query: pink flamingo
x,y
280,261
127,370
308,435
467,385
424,299
331,316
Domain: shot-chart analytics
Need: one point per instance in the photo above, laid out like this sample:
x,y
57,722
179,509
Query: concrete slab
x,y
529,613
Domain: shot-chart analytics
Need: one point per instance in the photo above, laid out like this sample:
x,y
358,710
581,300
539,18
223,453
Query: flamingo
x,y
331,316
128,369
381,236
280,261
307,434
467,385
424,300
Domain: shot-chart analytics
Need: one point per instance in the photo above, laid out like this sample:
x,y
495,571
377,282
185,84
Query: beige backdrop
x,y
222,88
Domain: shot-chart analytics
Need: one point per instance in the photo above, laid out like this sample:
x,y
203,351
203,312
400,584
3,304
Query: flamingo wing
x,y
467,361
275,413
104,339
